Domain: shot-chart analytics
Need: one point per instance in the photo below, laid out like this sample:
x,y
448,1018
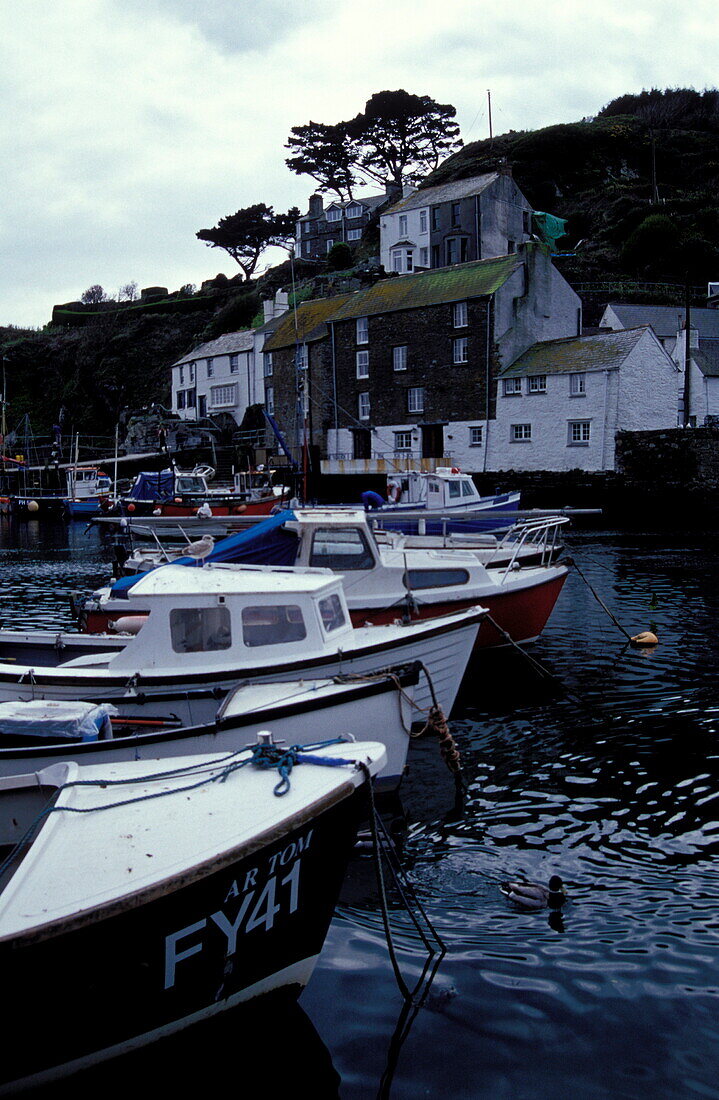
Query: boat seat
x,y
88,660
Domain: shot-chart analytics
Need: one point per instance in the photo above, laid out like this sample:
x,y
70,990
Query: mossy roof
x,y
604,351
476,279
307,323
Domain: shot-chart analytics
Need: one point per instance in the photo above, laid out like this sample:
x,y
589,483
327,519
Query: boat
x,y
88,491
155,897
40,733
380,581
421,502
175,492
211,627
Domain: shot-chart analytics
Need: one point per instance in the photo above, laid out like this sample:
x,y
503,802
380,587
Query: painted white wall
x,y
536,303
390,237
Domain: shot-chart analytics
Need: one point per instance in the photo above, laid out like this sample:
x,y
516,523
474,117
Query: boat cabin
x,y
447,487
85,483
199,616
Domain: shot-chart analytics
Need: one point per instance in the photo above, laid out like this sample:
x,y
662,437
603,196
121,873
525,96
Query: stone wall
x,y
678,459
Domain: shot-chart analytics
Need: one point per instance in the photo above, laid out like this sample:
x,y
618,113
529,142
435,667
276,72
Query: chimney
x,y
268,310
316,206
393,191
282,303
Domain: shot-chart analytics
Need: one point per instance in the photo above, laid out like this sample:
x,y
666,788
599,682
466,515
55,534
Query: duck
x,y
530,895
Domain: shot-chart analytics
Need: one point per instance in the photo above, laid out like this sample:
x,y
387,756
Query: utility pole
x,y
489,112
687,353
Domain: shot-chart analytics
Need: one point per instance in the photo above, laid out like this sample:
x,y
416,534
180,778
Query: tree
x,y
398,138
93,295
402,137
128,292
327,154
246,234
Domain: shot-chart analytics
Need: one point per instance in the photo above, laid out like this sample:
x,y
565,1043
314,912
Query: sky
x,y
127,125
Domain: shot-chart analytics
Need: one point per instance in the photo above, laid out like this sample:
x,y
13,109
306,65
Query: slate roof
x,y
605,351
371,202
444,192
666,320
476,279
230,343
707,357
310,322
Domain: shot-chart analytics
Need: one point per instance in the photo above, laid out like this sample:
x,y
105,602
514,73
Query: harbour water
x,y
604,770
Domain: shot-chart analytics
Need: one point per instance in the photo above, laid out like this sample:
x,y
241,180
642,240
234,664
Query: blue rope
x,y
271,756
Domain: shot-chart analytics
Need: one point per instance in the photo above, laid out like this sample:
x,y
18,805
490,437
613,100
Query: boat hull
x,y
151,965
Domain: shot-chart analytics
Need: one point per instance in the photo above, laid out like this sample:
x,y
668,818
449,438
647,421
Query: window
x,y
397,259
363,406
362,330
334,215
408,259
329,244
234,364
435,578
423,221
200,629
191,395
521,433
307,248
456,248
182,376
511,247
399,358
460,353
331,613
467,489
354,234
210,367
455,213
354,211
459,314
526,221
424,257
342,549
537,383
362,364
403,441
435,217
512,386
577,385
301,357
268,625
415,399
270,399
191,372
222,396
455,489
578,433
402,225
475,437
181,399
267,360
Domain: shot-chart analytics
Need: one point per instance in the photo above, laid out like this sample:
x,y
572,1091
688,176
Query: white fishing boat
x,y
152,897
210,627
381,580
36,735
446,491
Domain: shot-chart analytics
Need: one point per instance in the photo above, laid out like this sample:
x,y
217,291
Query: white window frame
x,y
409,259
354,234
301,357
512,387
520,433
270,399
353,211
459,315
579,433
415,399
362,363
397,260
399,357
460,350
363,405
424,257
536,383
234,364
329,244
362,330
424,221
181,379
476,440
403,441
334,215
210,366
191,372
578,384
402,223
223,396
268,367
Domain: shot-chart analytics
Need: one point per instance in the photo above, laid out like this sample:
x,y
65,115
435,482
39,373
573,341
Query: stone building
x,y
319,229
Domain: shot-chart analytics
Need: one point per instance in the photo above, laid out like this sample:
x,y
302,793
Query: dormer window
x,y
354,211
334,215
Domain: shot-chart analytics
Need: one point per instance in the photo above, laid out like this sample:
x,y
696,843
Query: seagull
x,y
200,549
529,895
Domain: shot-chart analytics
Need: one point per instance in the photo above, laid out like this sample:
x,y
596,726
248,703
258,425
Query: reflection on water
x,y
606,773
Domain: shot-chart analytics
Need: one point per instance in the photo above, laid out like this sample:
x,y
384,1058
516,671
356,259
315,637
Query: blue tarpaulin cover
x,y
154,486
265,543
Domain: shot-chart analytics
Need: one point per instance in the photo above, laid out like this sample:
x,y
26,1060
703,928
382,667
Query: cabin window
x,y
433,486
272,625
200,629
343,549
331,613
467,489
435,578
455,489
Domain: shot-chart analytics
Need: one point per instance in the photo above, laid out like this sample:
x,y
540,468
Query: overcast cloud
x,y
128,125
